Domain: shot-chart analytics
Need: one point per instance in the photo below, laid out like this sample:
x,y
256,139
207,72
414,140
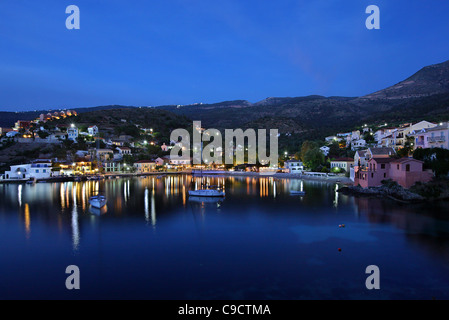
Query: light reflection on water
x,y
277,239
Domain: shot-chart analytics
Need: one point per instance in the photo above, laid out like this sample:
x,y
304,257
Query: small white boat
x,y
97,201
31,181
297,193
206,193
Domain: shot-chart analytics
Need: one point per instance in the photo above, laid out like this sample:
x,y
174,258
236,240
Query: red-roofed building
x,y
405,171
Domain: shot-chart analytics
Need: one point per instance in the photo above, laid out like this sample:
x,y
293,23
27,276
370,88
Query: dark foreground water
x,y
153,242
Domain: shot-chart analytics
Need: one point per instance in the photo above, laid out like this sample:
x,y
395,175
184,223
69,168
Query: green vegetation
x,y
436,159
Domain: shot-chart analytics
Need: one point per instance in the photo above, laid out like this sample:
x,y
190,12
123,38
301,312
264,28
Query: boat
x,y
297,193
97,201
31,181
78,179
207,193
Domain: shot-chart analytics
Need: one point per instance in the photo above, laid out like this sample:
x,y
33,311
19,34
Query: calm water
x,y
153,242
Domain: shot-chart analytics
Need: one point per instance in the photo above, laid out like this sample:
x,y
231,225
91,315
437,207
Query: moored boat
x,y
97,201
207,193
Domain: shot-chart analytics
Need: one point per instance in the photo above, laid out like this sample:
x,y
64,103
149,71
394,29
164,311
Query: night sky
x,y
180,52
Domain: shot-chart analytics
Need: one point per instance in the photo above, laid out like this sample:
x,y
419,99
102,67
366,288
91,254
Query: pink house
x,y
405,171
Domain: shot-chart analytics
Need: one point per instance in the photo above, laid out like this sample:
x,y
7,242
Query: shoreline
x,y
331,179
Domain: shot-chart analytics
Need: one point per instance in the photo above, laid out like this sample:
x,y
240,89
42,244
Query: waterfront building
x,y
405,171
294,166
145,166
39,169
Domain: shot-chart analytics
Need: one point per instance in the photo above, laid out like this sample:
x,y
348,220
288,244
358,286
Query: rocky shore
x,y
394,192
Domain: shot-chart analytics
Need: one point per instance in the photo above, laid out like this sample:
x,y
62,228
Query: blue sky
x,y
185,51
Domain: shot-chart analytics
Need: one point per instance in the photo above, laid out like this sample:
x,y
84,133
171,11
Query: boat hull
x,y
97,202
206,193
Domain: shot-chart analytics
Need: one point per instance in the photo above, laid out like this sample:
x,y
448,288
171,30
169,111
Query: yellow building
x,y
145,166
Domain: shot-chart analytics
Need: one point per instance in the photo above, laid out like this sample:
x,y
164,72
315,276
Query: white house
x,y
358,144
124,151
294,166
40,169
72,133
325,150
92,130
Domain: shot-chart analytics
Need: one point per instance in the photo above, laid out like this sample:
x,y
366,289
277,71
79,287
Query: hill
x,y
424,95
125,119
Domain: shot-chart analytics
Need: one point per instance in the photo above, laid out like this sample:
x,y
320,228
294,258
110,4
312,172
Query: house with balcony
x,y
294,166
405,171
39,169
92,130
82,167
124,151
358,144
72,133
145,166
435,137
112,166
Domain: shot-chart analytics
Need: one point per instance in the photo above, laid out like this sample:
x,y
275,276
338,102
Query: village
x,y
373,154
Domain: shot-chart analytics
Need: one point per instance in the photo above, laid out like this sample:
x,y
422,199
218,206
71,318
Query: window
x,y
382,166
407,167
385,175
37,171
397,167
44,171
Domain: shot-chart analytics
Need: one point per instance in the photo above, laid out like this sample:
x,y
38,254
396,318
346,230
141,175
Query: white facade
x,y
358,144
294,166
93,130
325,150
72,134
38,170
124,150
